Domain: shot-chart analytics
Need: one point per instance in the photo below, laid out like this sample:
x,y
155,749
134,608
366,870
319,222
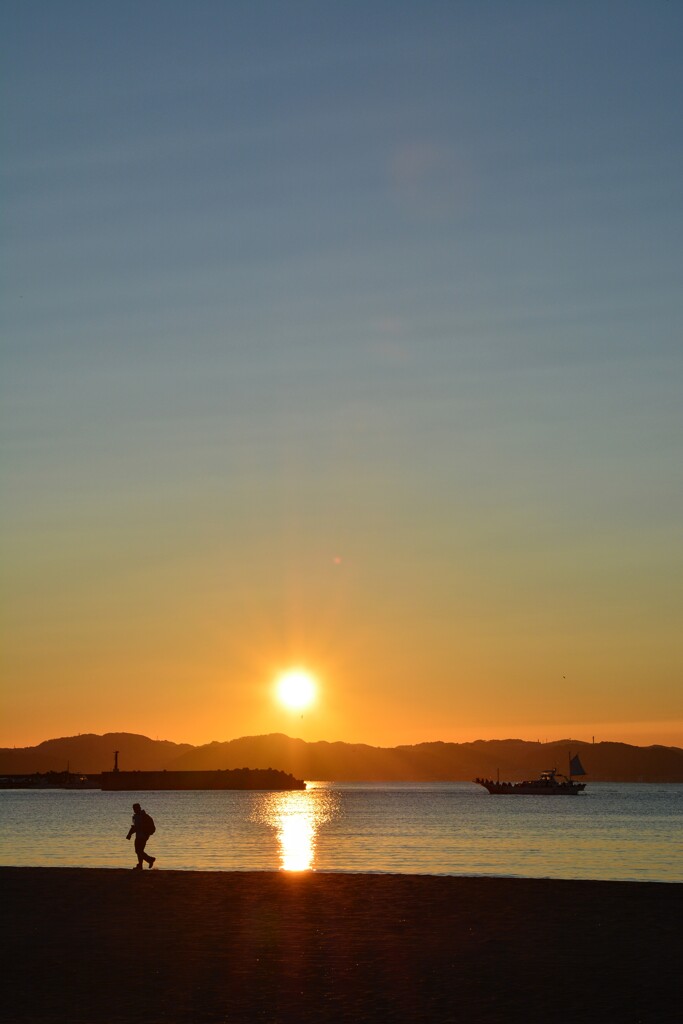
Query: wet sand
x,y
114,946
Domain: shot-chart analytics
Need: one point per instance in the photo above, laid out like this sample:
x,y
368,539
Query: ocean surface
x,y
612,831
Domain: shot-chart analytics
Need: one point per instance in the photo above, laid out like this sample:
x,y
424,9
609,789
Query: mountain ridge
x,y
437,760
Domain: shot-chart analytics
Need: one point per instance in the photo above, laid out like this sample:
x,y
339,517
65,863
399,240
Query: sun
x,y
296,688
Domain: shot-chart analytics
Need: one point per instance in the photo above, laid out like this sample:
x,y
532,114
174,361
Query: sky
x,y
344,336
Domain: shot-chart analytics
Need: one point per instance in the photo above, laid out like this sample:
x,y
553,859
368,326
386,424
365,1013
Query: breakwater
x,y
236,778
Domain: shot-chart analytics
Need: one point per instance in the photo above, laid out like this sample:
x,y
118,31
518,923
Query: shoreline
x,y
96,945
336,872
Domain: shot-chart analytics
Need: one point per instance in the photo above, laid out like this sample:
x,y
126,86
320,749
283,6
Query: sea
x,y
611,831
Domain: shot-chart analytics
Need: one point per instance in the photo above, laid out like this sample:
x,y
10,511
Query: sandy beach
x,y
124,946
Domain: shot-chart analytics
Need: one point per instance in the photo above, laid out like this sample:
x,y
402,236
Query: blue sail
x,y
575,766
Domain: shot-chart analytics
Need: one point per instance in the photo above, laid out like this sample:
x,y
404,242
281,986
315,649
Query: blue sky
x,y
394,280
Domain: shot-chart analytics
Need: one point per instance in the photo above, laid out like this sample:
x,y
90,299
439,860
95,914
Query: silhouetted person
x,y
142,828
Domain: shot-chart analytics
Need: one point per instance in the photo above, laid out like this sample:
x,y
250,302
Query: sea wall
x,y
237,778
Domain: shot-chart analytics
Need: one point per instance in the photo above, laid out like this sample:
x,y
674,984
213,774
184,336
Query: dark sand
x,y
90,946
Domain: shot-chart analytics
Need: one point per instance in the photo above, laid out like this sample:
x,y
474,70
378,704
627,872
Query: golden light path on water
x,y
297,818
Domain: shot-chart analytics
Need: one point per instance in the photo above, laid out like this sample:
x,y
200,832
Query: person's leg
x,y
140,850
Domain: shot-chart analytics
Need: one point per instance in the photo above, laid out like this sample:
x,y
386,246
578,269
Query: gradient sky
x,y
345,335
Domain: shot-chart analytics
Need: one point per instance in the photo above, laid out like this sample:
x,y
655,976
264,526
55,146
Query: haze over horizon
x,y
344,338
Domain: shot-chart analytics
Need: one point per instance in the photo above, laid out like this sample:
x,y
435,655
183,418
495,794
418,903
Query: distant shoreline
x,y
109,946
513,759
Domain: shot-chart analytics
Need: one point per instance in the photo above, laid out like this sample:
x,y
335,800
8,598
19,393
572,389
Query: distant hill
x,y
514,759
92,753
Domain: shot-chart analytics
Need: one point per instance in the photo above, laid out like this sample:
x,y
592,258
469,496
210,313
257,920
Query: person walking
x,y
142,828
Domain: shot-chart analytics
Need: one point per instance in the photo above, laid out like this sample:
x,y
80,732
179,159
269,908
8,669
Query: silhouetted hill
x,y
92,753
515,759
319,760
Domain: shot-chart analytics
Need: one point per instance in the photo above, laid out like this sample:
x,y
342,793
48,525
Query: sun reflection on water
x,y
296,818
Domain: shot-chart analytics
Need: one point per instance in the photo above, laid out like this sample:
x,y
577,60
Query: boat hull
x,y
532,788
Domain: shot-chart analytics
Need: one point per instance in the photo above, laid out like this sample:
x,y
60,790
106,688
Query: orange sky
x,y
174,622
193,656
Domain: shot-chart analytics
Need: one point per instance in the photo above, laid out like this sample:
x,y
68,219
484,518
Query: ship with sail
x,y
550,783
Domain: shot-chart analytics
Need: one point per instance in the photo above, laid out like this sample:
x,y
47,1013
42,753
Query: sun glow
x,y
296,689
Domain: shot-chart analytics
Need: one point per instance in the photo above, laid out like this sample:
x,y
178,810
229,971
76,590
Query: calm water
x,y
615,831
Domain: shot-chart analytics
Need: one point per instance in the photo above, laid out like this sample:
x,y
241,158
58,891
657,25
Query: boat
x,y
550,783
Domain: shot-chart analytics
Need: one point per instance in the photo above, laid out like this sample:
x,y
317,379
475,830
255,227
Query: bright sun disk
x,y
296,689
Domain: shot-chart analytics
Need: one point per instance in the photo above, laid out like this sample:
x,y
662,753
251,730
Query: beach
x,y
126,946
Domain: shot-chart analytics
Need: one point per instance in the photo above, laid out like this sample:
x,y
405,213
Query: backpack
x,y
148,822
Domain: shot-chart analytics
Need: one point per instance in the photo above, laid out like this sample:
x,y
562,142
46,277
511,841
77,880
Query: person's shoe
x,y
151,862
138,867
